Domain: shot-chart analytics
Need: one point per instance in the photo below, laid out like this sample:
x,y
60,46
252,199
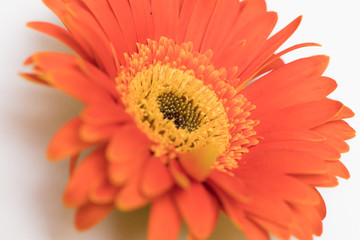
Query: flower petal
x,y
76,84
180,178
98,133
344,113
291,72
61,35
236,213
269,48
87,175
108,22
323,180
127,143
164,220
336,168
124,16
292,135
284,94
67,141
83,23
103,193
339,129
229,184
130,197
34,78
320,149
197,24
105,114
276,229
254,34
141,11
198,208
156,178
287,161
305,115
90,214
199,164
165,16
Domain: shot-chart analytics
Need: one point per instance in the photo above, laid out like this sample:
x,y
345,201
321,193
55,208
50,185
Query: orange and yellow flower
x,y
189,109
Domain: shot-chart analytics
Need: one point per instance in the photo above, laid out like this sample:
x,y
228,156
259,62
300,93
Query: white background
x,y
31,187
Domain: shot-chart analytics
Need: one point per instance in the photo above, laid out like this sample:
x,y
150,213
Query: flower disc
x,y
182,103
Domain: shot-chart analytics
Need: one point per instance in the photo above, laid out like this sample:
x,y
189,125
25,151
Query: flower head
x,y
188,108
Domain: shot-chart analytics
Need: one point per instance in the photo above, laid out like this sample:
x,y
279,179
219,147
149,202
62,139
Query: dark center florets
x,y
185,114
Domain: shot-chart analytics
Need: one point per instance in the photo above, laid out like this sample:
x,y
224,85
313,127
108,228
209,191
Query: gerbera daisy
x,y
188,109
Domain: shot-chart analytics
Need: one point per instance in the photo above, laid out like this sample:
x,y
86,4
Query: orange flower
x,y
174,118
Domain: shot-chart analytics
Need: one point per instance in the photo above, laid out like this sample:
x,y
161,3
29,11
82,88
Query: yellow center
x,y
176,110
182,103
185,114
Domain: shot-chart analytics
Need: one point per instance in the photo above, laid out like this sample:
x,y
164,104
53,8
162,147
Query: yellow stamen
x,y
183,103
203,121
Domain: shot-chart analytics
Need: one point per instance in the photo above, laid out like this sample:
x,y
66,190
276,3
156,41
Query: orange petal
x,y
229,184
164,220
67,141
180,178
98,133
269,66
59,34
271,45
130,197
320,149
323,180
292,134
305,115
287,161
90,214
261,181
197,24
34,78
74,83
275,229
321,207
128,142
156,178
141,11
344,113
100,78
166,16
308,222
290,73
103,193
339,129
47,61
254,33
58,7
120,172
87,175
83,23
336,168
124,16
283,94
221,25
105,114
275,62
236,213
108,22
198,208
198,164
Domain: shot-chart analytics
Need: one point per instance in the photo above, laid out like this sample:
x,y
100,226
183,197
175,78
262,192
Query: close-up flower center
x,y
184,113
176,110
183,103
